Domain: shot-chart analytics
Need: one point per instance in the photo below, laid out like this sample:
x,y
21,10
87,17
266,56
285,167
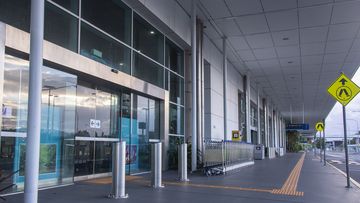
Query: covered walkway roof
x,y
293,49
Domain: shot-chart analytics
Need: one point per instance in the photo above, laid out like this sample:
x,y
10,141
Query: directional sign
x,y
343,89
319,126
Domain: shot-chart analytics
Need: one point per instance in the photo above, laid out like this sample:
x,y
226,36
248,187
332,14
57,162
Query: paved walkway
x,y
292,178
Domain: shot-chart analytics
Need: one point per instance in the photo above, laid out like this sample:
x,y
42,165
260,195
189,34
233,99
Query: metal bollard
x,y
156,169
118,168
182,162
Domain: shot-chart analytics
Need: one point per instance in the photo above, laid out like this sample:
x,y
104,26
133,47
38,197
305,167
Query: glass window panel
x,y
176,117
71,5
174,142
103,157
176,89
60,27
174,57
101,48
114,17
16,13
147,70
84,158
57,124
167,75
148,40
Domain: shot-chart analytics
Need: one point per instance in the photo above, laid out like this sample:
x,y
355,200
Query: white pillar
x,y
248,106
225,86
194,95
258,118
34,104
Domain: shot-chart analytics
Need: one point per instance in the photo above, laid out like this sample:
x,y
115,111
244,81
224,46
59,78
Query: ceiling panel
x,y
217,8
253,24
343,31
346,12
265,53
283,20
303,3
260,41
238,42
270,5
283,38
228,27
338,46
288,51
246,55
291,61
312,49
312,60
313,35
243,7
315,16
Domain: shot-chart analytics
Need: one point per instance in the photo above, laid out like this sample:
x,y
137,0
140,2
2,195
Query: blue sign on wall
x,y
297,126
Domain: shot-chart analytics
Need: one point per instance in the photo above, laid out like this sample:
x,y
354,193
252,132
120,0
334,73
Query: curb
x,y
344,174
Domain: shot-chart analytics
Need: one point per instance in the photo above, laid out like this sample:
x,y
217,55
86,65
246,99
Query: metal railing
x,y
220,155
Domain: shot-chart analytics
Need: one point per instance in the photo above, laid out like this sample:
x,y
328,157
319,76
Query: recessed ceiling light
x,y
290,62
285,38
152,32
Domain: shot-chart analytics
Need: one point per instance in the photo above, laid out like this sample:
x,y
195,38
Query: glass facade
x,y
57,125
81,119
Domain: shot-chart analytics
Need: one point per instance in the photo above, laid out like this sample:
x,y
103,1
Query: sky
x,y
334,121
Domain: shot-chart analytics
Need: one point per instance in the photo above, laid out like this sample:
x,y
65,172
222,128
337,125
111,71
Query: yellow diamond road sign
x,y
343,89
319,126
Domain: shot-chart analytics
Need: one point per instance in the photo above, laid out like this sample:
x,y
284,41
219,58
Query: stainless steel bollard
x,y
118,168
156,168
182,162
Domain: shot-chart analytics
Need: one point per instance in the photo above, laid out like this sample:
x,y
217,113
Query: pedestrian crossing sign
x,y
343,89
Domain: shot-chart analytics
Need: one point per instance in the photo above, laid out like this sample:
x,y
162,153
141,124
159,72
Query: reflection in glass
x,y
61,28
174,142
71,5
114,17
145,126
57,124
103,157
16,13
148,40
174,57
176,125
147,70
99,47
176,89
84,158
99,106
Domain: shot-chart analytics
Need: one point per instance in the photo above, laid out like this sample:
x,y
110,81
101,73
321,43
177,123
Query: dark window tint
x,y
176,89
71,5
148,40
147,70
112,16
174,57
103,49
16,13
176,120
60,27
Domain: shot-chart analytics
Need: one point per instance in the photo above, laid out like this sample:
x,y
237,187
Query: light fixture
x,y
290,62
285,38
152,32
121,64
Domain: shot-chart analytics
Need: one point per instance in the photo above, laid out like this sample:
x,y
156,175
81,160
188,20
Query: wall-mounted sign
x,y
95,123
235,135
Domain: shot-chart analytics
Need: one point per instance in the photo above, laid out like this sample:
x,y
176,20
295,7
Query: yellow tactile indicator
x,y
290,185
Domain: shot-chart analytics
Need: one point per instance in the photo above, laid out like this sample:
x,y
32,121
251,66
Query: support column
x,y
248,106
225,86
194,95
2,62
258,117
34,104
266,120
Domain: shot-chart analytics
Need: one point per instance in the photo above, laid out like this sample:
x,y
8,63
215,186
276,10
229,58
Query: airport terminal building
x,y
122,70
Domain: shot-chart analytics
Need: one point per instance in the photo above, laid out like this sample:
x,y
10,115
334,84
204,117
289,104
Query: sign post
x,y
324,143
344,90
320,127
